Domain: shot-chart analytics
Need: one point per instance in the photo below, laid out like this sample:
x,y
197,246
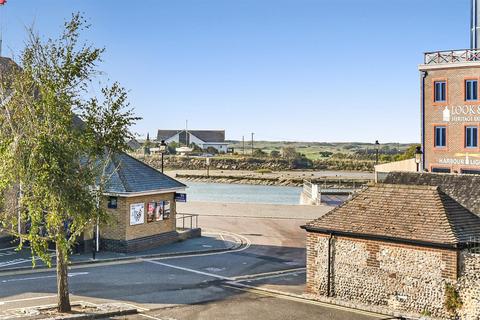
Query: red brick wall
x,y
455,149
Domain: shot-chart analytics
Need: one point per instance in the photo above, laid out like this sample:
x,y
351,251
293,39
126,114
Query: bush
x,y
275,154
302,162
289,152
259,153
452,299
325,154
212,150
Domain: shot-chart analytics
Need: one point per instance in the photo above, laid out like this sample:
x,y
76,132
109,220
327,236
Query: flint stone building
x,y
394,248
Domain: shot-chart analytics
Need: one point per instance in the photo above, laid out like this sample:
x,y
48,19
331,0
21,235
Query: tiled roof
x,y
464,188
204,135
421,214
132,175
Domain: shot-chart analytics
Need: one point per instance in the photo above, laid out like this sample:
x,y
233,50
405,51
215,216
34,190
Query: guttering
x,y
385,238
143,193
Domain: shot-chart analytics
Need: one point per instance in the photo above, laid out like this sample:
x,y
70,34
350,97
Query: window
x,y
112,202
440,170
440,91
471,137
440,137
471,90
467,171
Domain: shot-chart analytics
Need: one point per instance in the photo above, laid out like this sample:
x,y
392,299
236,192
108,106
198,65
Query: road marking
x,y
273,276
149,317
141,309
297,298
279,273
5,249
245,241
26,299
74,274
189,270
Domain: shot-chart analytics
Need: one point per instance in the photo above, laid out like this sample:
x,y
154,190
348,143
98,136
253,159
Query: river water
x,y
242,193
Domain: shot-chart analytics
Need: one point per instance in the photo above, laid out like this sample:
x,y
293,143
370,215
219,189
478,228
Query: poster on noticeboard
x,y
166,210
151,206
137,214
158,211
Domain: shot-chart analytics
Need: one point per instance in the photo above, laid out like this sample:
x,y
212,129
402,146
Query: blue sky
x,y
304,70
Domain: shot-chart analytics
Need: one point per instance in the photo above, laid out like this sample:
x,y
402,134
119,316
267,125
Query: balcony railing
x,y
452,56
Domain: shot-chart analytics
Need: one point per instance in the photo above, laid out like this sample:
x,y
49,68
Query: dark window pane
x,y
440,91
440,136
474,133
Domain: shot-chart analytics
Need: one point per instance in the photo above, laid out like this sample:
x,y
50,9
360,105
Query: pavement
x,y
11,259
262,279
253,210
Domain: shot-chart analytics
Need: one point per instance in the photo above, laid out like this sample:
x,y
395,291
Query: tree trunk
x,y
63,298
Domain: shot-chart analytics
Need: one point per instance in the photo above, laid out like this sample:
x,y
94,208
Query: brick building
x,y
450,106
451,111
394,248
141,204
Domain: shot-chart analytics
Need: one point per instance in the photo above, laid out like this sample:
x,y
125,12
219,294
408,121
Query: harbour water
x,y
242,193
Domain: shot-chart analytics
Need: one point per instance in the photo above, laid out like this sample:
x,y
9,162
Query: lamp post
x,y
418,157
377,144
163,148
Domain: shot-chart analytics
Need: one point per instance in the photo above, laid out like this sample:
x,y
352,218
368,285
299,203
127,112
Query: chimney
x,y
475,28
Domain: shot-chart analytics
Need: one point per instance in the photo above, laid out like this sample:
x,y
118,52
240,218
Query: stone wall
x,y
469,286
251,164
393,277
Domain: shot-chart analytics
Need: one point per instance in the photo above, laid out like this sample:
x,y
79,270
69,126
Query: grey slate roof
x,y
128,174
204,135
421,214
134,144
465,189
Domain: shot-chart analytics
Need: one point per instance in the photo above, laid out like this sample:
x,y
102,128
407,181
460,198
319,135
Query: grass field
x,y
312,150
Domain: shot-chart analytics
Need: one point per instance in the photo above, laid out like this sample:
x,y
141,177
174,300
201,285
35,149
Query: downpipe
x,y
329,266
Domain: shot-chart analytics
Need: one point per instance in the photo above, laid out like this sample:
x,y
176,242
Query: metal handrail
x,y
193,220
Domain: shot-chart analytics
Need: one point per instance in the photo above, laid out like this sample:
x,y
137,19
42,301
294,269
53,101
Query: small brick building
x,y
393,247
141,205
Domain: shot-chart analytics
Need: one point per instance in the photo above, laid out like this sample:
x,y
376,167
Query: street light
x,y
418,157
377,144
163,148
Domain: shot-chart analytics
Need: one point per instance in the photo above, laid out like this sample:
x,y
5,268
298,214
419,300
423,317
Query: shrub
x,y
275,154
289,152
212,150
452,299
259,153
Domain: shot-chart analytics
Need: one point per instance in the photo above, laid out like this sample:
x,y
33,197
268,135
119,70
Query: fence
x,y
473,245
452,56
